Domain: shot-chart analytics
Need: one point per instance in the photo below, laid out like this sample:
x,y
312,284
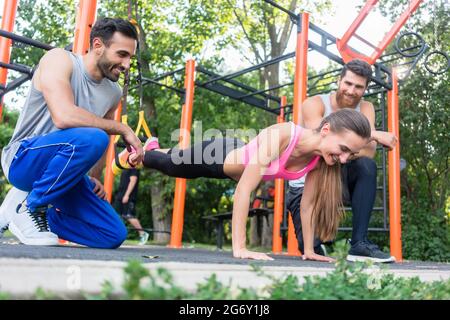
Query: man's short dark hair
x,y
104,29
359,67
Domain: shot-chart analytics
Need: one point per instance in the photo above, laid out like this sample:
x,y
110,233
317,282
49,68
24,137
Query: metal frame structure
x,y
226,85
348,53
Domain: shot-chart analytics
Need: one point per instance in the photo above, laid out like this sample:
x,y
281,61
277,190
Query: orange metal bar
x,y
300,92
8,20
184,141
277,241
292,243
394,173
395,29
358,20
85,18
348,54
109,176
301,68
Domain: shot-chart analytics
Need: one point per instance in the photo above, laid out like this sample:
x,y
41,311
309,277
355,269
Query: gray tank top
x,y
326,99
97,97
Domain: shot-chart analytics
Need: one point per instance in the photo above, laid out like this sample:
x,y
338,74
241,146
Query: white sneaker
x,y
31,228
143,238
9,206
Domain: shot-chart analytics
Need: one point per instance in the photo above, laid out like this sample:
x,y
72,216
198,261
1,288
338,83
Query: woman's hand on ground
x,y
317,257
246,254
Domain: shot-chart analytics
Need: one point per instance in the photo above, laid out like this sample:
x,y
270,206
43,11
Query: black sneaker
x,y
368,251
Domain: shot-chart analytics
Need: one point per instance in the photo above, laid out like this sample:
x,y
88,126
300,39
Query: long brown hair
x,y
328,208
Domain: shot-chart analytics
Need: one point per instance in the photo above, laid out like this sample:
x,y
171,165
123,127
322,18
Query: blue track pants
x,y
53,169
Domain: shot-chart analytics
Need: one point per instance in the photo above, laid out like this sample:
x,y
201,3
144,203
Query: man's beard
x,y
106,68
340,99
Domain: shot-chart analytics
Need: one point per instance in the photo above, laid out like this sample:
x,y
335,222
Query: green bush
x,y
425,234
346,282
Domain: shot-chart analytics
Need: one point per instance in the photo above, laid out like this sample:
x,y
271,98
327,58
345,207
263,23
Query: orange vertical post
x,y
301,68
184,141
394,173
83,24
8,20
277,241
292,243
109,176
84,20
300,92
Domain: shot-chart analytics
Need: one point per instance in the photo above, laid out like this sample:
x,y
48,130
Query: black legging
x,y
204,159
359,189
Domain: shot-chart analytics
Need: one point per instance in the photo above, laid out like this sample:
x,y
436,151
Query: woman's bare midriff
x,y
233,165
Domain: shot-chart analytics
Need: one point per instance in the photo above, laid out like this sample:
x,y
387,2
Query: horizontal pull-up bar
x,y
167,74
25,40
147,80
17,67
267,89
236,83
15,84
252,68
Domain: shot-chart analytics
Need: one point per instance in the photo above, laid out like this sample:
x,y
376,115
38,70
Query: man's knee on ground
x,y
114,239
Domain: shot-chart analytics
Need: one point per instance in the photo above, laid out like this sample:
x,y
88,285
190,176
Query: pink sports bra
x,y
277,168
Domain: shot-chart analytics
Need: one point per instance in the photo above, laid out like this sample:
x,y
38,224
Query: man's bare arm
x,y
370,149
53,80
97,169
312,112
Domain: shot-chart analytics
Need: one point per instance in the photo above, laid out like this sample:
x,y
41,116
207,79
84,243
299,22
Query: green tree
x,y
424,126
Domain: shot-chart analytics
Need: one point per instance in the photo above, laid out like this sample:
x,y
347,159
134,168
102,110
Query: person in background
x,y
359,173
125,201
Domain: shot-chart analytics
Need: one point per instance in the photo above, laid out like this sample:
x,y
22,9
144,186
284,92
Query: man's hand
x,y
99,190
387,139
316,257
132,140
246,254
125,199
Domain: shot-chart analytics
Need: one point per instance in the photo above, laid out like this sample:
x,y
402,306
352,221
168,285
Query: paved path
x,y
68,269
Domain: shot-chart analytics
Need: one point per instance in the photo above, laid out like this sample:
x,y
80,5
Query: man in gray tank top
x,y
61,134
358,173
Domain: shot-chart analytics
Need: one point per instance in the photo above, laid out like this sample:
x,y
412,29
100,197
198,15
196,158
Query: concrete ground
x,y
69,269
